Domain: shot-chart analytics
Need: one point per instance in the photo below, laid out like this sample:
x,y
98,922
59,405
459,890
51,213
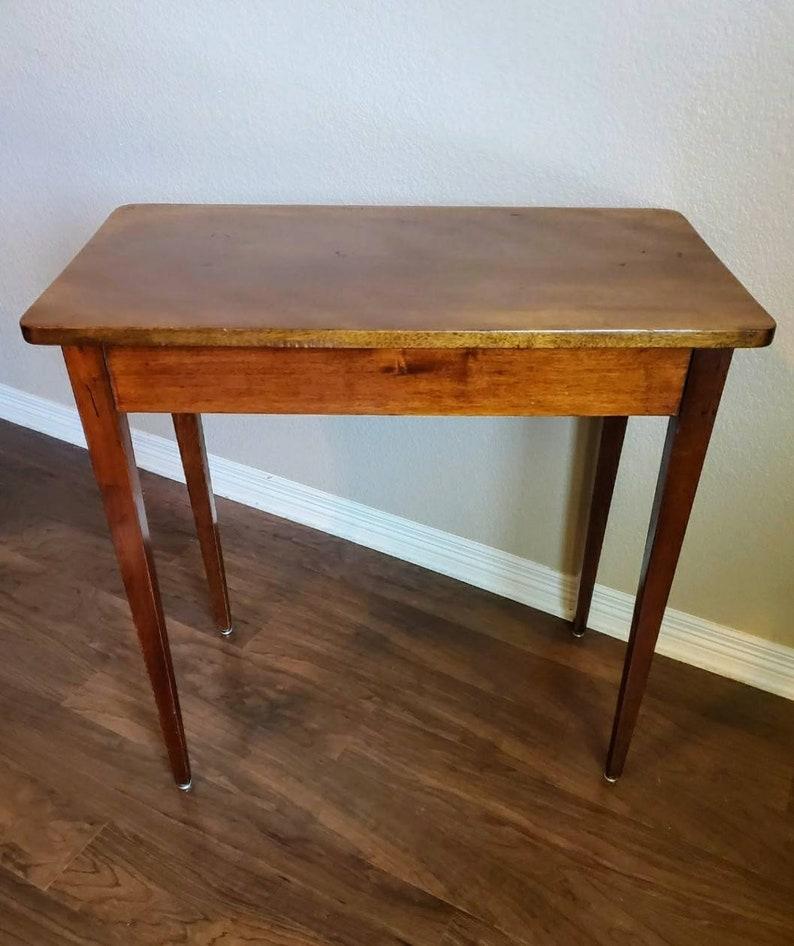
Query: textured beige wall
x,y
688,105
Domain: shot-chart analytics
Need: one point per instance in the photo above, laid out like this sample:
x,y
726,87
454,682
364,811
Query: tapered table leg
x,y
109,445
613,431
685,448
190,437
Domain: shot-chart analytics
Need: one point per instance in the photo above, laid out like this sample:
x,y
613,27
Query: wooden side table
x,y
395,310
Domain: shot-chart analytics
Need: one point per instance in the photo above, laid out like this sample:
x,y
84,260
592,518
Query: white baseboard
x,y
693,640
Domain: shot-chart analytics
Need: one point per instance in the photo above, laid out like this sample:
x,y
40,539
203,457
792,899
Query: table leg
x,y
685,448
109,445
613,430
190,437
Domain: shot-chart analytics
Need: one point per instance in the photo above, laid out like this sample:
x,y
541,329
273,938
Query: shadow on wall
x,y
517,484
738,559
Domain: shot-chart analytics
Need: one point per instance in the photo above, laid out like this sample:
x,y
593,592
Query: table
x,y
522,311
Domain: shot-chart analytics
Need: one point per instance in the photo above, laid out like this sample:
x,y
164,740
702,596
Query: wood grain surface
x,y
613,432
383,756
193,452
580,382
107,434
397,277
685,447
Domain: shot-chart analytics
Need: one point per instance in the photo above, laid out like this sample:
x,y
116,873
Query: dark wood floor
x,y
382,755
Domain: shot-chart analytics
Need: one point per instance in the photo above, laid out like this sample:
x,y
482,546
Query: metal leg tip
x,y
227,631
185,786
610,778
578,632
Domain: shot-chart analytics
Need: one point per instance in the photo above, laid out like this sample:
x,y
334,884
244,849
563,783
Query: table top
x,y
396,277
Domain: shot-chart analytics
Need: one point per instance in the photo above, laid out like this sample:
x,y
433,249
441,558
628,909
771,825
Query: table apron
x,y
520,382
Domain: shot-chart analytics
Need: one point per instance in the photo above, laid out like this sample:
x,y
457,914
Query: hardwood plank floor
x,y
382,755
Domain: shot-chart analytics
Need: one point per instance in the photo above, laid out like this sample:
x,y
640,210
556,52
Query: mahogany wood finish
x,y
190,437
688,436
396,310
110,447
613,431
387,757
410,381
397,277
